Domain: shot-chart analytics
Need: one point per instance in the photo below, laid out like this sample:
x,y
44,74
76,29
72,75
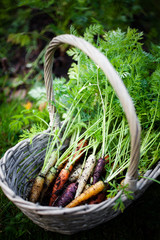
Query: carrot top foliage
x,y
140,73
87,84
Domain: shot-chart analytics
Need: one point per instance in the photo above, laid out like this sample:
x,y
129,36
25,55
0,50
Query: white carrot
x,y
90,163
39,180
76,173
51,162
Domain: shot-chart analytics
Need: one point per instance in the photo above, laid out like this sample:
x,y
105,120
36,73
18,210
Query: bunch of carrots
x,y
73,176
73,182
75,173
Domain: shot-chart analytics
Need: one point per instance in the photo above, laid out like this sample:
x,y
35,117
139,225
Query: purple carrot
x,y
98,169
68,195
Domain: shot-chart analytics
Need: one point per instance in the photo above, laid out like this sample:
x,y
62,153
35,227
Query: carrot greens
x,y
93,131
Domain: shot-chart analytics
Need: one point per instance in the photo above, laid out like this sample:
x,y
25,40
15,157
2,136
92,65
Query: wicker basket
x,y
23,161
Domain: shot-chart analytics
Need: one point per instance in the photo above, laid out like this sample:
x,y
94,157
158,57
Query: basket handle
x,y
118,86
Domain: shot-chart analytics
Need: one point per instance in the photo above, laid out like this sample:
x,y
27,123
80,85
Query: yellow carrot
x,y
39,181
90,192
36,188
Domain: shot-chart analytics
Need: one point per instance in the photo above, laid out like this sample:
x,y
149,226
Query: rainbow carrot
x,y
36,188
68,195
59,184
65,172
76,173
99,168
51,175
100,197
88,168
39,181
90,192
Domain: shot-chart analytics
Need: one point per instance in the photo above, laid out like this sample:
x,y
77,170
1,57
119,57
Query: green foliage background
x,y
26,27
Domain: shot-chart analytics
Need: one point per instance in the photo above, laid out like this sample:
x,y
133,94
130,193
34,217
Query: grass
x,y
139,221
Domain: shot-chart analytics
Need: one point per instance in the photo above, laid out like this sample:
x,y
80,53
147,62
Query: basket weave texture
x,y
21,162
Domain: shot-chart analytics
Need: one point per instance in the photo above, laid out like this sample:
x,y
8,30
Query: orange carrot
x,y
65,172
90,192
59,184
78,152
100,197
106,158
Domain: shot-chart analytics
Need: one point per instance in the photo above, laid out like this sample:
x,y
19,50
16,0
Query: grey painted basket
x,y
23,161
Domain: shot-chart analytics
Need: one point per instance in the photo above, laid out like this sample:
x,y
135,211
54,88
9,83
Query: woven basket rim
x,y
19,201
